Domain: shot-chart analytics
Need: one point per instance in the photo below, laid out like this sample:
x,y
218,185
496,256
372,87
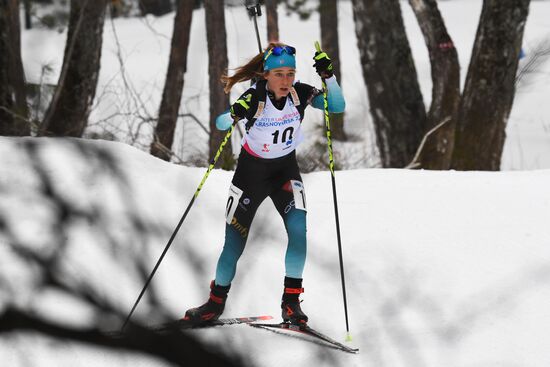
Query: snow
x,y
442,268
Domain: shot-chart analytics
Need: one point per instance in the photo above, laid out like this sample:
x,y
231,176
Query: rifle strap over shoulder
x,y
261,92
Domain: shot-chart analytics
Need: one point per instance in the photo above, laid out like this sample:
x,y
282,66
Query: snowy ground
x,y
443,268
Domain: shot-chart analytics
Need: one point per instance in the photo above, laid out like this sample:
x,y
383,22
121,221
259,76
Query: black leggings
x,y
255,179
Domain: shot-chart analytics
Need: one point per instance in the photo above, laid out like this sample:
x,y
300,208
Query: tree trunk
x,y
489,89
173,86
272,20
13,103
217,64
71,103
396,104
329,40
437,150
155,7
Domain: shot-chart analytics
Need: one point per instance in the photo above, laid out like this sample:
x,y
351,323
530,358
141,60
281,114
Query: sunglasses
x,y
278,51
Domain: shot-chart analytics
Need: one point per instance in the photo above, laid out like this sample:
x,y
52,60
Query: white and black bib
x,y
275,132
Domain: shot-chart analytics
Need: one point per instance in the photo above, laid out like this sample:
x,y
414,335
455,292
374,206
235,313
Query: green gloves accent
x,y
241,106
323,65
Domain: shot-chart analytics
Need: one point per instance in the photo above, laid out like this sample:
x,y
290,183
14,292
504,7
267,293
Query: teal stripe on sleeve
x,y
336,102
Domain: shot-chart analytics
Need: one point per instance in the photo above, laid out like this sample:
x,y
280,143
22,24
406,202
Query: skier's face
x,y
280,80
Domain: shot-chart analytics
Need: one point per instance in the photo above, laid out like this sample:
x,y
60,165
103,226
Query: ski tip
x,y
348,337
265,317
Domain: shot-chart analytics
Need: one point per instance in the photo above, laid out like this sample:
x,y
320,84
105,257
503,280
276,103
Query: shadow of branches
x,y
71,229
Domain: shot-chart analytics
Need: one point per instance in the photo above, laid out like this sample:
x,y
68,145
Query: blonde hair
x,y
254,68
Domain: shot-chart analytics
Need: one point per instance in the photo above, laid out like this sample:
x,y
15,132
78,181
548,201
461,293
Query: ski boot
x,y
291,311
212,309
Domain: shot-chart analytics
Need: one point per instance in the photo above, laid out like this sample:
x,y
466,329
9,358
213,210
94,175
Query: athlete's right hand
x,y
241,106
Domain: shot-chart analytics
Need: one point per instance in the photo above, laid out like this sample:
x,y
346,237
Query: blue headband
x,y
284,59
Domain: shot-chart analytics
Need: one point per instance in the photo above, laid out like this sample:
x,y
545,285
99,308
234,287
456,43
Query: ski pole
x,y
254,11
333,177
210,167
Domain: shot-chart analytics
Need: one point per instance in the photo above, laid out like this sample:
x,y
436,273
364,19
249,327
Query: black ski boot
x,y
212,309
290,305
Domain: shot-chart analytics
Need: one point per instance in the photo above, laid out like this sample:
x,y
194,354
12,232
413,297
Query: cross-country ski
x,y
186,324
317,337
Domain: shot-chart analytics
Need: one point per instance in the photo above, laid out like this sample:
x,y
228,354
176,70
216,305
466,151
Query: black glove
x,y
241,106
323,65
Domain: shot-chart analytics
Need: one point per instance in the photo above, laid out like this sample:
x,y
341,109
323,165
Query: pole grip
x,y
317,46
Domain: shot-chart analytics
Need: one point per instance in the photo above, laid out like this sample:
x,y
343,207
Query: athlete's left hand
x,y
323,65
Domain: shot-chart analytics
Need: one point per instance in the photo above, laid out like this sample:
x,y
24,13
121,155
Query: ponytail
x,y
253,69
